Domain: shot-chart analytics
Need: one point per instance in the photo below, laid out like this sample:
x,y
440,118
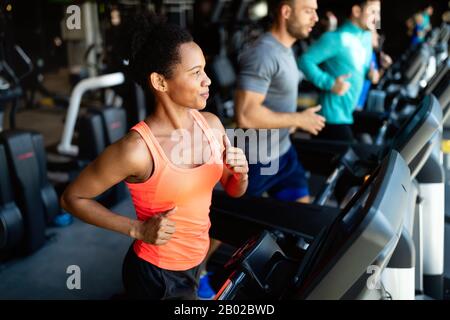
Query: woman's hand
x,y
157,230
235,160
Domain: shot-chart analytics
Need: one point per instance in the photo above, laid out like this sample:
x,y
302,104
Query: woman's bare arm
x,y
129,157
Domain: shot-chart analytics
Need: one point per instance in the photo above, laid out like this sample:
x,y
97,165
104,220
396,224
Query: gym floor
x,y
98,253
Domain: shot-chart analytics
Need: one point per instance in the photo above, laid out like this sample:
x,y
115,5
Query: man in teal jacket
x,y
338,64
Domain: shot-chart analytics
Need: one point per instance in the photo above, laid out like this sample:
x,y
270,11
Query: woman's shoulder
x,y
215,125
213,121
133,150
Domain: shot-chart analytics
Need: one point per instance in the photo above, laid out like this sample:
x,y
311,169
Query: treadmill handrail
x,y
65,147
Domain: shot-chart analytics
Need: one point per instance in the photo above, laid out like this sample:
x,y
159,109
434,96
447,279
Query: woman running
x,y
170,162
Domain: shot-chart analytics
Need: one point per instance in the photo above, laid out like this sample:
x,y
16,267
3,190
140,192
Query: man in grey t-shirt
x,y
267,99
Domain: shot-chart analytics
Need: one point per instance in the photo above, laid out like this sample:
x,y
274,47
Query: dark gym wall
x,y
394,15
396,12
35,24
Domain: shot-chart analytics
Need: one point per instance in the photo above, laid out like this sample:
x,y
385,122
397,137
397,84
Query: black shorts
x,y
143,280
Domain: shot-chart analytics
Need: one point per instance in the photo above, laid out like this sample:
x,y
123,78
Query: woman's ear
x,y
158,82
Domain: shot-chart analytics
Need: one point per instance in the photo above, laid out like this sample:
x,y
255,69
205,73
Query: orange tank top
x,y
190,190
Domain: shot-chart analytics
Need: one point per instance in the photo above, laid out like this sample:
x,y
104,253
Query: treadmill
x,y
342,261
234,221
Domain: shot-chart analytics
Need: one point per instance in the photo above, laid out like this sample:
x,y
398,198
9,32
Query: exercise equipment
x,y
337,260
24,168
252,215
66,147
11,223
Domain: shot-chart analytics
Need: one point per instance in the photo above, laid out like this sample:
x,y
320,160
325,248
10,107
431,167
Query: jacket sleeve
x,y
322,50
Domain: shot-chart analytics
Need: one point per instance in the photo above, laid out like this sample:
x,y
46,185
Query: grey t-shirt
x,y
269,68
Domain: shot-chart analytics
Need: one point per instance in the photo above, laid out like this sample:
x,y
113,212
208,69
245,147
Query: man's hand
x,y
341,86
374,75
310,121
157,230
385,60
235,160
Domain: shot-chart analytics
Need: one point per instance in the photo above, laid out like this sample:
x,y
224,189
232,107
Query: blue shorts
x,y
288,184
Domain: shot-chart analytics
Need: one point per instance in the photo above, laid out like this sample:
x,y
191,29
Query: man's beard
x,y
296,31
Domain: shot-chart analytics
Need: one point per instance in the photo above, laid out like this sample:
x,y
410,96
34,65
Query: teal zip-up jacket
x,y
348,50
